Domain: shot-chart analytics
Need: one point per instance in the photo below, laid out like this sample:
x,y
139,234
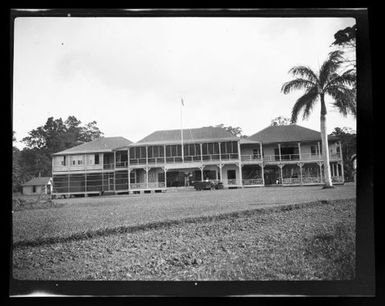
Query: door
x,y
271,175
231,177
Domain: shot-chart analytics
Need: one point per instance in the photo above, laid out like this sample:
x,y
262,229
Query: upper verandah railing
x,y
215,158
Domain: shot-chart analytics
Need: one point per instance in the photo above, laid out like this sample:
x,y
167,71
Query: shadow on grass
x,y
333,253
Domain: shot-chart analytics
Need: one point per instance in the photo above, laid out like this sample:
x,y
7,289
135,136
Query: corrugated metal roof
x,y
37,181
287,133
102,144
189,135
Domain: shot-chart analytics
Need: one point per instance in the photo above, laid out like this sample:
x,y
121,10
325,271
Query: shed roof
x,y
37,181
102,144
189,136
287,133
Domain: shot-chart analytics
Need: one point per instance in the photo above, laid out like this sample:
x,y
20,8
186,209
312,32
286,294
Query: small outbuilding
x,y
38,185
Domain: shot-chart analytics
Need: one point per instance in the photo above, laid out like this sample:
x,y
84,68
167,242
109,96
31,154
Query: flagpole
x,y
181,128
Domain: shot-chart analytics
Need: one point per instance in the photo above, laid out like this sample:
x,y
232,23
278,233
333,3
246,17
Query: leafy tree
x,y
54,136
349,147
345,40
318,85
280,121
346,37
17,178
236,131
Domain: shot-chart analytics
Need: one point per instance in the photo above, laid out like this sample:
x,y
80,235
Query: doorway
x,y
271,175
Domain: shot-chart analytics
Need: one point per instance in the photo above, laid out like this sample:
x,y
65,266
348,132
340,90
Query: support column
x,y
320,171
147,169
114,160
201,152
102,180
279,152
220,152
69,183
299,151
240,173
146,155
165,177
164,153
319,150
85,182
260,152
342,170
342,163
239,150
300,165
114,180
220,171
201,173
281,172
129,179
263,173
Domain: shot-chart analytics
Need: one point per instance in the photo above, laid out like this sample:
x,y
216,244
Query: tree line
x,y
54,136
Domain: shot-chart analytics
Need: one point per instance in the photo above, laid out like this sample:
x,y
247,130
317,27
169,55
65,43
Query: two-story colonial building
x,y
277,155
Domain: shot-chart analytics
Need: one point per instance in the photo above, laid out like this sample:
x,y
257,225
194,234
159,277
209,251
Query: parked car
x,y
208,185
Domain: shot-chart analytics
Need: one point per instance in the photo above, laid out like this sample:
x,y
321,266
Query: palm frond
x,y
296,84
305,73
348,78
306,103
330,66
344,99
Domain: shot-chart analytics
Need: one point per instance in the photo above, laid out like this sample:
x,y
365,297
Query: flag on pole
x,y
181,129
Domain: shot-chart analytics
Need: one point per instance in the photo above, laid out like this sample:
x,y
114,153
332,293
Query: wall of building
x,y
87,162
29,190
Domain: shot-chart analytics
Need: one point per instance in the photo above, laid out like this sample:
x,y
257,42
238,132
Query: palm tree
x,y
327,82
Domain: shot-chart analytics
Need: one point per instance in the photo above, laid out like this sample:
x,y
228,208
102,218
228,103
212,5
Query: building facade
x,y
37,185
278,155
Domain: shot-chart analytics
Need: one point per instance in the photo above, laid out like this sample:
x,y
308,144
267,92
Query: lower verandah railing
x,y
108,185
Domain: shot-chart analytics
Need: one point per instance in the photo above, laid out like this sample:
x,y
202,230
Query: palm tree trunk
x,y
325,145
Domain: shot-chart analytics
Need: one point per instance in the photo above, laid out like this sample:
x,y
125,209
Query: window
x,y
231,174
33,189
313,150
64,161
132,177
74,162
256,153
96,159
80,161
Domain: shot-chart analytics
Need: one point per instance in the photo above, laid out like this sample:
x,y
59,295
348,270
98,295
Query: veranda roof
x,y
287,133
102,144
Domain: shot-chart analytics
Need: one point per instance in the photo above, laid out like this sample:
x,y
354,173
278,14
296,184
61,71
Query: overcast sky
x,y
129,74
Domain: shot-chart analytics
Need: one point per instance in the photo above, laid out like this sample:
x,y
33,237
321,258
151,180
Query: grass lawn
x,y
316,242
82,217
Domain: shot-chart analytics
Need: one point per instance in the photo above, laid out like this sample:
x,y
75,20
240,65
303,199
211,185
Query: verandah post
x,y
342,163
263,173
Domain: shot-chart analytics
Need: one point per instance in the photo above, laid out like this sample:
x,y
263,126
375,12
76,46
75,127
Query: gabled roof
x,y
189,136
102,144
37,181
287,133
247,141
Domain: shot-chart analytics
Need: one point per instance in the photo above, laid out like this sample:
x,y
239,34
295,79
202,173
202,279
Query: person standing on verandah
x,y
327,82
